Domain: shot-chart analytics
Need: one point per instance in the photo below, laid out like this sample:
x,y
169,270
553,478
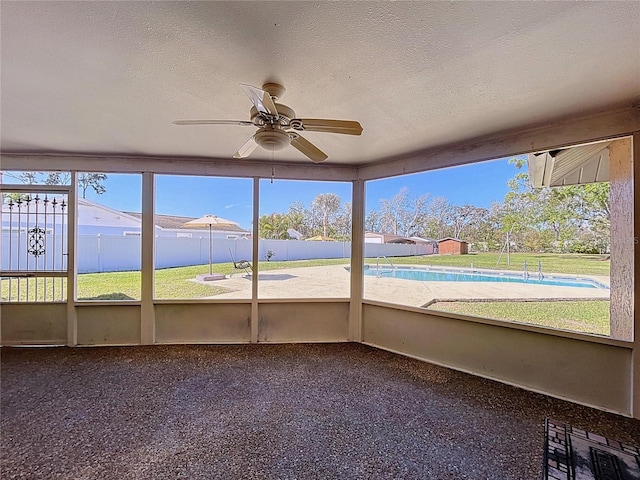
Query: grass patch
x,y
317,262
174,283
170,283
109,286
588,316
179,282
574,264
41,289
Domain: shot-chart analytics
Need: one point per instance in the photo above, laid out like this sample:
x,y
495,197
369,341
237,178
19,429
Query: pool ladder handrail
x,y
526,274
378,264
540,275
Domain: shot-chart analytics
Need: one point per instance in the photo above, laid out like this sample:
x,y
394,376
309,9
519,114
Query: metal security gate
x,y
34,243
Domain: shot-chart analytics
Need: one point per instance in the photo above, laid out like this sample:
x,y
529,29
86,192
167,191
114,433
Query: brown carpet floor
x,y
335,411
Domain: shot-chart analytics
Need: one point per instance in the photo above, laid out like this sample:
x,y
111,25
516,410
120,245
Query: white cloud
x,y
234,205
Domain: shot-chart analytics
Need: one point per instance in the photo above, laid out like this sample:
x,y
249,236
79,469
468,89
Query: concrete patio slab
x,y
333,281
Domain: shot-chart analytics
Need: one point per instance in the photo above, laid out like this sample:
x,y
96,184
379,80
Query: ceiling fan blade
x,y
346,127
261,99
214,122
309,149
247,148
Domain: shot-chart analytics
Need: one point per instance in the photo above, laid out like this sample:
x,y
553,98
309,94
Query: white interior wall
x,y
308,321
571,367
107,324
202,322
33,323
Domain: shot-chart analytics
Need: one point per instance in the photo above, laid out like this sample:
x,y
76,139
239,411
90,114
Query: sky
x,y
478,184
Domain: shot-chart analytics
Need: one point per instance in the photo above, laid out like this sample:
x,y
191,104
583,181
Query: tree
x,y
29,177
342,223
519,206
393,210
86,181
93,181
403,214
372,222
591,205
485,234
556,218
463,216
299,218
59,178
273,226
327,206
438,218
413,217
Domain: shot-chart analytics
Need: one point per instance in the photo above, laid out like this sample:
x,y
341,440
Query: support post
x,y
148,245
635,367
72,265
622,233
357,262
255,320
210,252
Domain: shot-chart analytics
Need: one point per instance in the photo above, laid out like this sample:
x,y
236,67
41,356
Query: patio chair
x,y
241,265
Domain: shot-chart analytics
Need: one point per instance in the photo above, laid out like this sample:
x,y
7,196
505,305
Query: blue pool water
x,y
424,275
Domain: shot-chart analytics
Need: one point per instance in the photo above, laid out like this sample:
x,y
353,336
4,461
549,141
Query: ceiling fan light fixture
x,y
272,139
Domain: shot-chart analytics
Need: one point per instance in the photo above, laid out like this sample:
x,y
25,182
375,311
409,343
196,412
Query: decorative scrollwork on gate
x,y
36,241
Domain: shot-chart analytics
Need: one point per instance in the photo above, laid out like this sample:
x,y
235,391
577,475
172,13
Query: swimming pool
x,y
444,275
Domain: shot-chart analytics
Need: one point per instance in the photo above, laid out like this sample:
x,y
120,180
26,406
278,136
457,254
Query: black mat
x,y
574,454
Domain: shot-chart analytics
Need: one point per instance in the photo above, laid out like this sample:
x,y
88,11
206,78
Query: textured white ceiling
x,y
109,77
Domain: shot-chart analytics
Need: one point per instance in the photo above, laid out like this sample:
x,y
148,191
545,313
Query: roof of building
x,y
175,222
393,238
423,240
570,166
451,238
320,238
387,237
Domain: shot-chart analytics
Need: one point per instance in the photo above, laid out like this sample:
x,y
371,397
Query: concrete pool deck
x,y
333,281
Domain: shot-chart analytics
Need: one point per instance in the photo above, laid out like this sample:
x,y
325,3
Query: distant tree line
x,y
326,216
86,181
571,219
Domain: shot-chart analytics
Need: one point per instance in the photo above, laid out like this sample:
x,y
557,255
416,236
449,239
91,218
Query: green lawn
x,y
172,283
318,262
578,316
551,263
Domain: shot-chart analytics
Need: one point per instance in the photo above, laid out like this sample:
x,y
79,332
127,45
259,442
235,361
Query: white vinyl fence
x,y
16,257
110,253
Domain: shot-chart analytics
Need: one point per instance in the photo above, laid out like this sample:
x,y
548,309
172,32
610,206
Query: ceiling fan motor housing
x,y
285,114
272,138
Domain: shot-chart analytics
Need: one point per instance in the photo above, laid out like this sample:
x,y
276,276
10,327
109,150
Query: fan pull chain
x,y
273,168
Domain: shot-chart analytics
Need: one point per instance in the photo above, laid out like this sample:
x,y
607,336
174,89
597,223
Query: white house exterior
x,y
97,219
94,218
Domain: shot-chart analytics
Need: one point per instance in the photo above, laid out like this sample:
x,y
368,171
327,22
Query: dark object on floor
x,y
572,453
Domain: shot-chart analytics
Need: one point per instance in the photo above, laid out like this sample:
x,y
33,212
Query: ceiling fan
x,y
277,125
